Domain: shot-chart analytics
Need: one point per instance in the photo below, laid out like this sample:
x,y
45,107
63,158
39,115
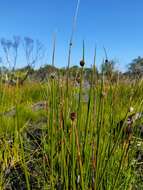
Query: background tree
x,y
136,66
10,48
15,45
6,46
34,51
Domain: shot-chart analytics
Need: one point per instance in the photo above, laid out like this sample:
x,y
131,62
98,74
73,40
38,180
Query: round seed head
x,y
106,61
82,63
73,116
78,79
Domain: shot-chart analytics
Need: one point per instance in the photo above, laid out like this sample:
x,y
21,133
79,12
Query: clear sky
x,y
115,24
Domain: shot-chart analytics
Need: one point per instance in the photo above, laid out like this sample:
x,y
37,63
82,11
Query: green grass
x,y
47,149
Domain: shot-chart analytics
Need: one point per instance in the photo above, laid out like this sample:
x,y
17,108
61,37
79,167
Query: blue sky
x,y
115,24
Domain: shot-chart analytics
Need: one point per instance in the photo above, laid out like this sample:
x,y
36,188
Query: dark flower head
x,y
73,116
78,79
82,63
106,61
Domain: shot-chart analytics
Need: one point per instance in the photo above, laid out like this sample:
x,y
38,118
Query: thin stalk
x,y
71,41
54,49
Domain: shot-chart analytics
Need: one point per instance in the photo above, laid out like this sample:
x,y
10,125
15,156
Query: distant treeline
x,y
34,52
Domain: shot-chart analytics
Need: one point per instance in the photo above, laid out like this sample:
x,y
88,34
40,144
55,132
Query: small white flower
x,y
78,179
131,109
